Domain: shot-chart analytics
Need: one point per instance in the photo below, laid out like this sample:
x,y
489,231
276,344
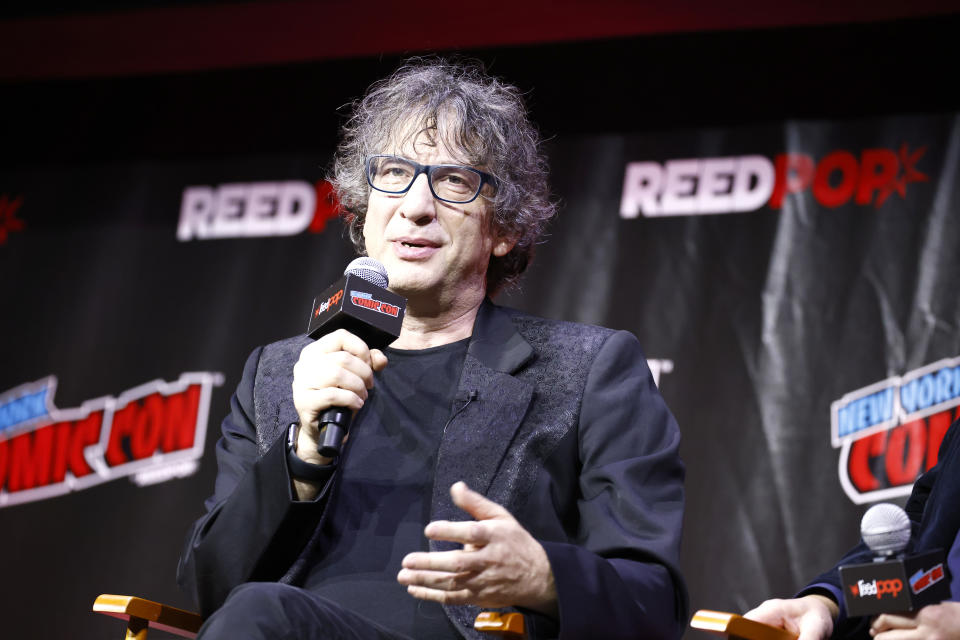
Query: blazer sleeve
x,y
621,579
253,529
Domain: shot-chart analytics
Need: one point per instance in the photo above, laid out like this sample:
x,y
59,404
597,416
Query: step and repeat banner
x,y
794,286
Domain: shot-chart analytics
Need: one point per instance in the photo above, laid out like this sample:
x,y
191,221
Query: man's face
x,y
431,247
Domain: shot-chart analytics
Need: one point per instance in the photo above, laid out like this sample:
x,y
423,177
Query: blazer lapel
x,y
490,406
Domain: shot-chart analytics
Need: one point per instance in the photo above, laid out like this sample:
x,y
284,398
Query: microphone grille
x,y
885,528
370,270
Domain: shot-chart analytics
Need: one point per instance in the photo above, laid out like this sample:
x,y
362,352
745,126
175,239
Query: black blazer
x,y
568,432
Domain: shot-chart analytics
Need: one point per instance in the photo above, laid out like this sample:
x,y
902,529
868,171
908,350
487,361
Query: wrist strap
x,y
300,468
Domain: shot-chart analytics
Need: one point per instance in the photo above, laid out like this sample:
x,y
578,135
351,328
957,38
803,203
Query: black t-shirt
x,y
381,502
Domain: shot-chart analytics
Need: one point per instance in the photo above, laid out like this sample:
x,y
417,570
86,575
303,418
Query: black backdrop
x,y
757,321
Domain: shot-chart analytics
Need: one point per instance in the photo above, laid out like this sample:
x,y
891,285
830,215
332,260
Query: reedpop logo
x,y
734,184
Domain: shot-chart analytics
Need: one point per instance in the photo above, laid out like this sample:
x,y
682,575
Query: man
x,y
934,509
495,459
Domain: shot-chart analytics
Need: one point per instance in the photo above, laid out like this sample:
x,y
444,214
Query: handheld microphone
x,y
893,582
360,303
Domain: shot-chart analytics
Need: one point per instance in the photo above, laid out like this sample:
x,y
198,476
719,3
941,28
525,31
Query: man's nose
x,y
418,203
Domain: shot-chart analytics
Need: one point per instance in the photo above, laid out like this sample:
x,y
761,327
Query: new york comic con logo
x,y
367,301
152,433
889,432
737,184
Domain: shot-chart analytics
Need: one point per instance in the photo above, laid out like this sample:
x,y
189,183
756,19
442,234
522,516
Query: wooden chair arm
x,y
143,614
732,625
505,625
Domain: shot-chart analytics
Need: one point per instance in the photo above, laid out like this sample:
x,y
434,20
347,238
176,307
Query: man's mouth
x,y
417,243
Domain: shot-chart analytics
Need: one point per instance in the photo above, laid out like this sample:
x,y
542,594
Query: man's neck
x,y
424,327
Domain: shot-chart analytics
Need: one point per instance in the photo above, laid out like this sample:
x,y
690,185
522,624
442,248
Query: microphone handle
x,y
333,428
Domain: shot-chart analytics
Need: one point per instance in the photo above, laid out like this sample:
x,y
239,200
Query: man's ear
x,y
503,244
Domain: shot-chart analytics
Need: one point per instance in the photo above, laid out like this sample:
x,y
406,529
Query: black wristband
x,y
300,468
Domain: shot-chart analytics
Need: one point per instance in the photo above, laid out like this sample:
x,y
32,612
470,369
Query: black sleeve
x,y
622,578
253,529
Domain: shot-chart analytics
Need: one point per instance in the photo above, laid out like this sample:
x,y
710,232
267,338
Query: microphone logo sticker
x,y
922,580
367,301
329,302
876,588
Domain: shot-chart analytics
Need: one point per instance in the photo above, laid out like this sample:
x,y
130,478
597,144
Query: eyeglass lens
x,y
393,174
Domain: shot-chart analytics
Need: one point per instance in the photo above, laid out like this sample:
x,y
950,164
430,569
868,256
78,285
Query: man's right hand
x,y
335,371
811,617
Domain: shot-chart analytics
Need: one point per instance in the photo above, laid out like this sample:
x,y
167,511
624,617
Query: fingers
x,y
343,340
456,577
347,350
449,577
335,371
450,562
769,612
933,622
317,368
500,563
476,504
811,616
310,401
377,360
476,533
888,621
466,533
903,634
461,596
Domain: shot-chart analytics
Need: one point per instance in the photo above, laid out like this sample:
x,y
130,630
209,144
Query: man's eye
x,y
395,171
453,179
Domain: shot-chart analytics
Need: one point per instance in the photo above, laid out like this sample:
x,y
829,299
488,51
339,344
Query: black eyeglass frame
x,y
485,178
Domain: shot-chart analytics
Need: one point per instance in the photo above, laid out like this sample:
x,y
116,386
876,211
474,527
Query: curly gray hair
x,y
478,115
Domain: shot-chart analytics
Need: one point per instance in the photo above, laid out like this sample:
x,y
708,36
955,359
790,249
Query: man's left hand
x,y
500,565
933,622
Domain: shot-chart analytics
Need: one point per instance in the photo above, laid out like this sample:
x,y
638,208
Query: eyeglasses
x,y
448,182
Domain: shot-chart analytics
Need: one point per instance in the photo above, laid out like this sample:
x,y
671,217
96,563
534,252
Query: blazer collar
x,y
496,342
